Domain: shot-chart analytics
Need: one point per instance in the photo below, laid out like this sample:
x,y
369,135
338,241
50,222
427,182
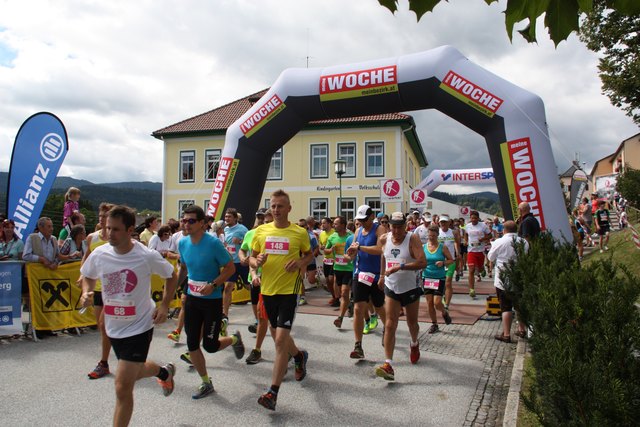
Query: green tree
x,y
561,16
617,37
628,185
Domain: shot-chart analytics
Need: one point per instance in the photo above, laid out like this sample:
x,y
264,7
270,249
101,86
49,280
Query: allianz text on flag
x,y
39,150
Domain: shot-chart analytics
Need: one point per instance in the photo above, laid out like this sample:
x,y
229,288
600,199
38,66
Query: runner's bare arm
x,y
160,313
415,249
88,285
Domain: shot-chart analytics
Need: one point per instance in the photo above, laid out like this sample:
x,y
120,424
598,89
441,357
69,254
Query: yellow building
x,y
374,148
626,156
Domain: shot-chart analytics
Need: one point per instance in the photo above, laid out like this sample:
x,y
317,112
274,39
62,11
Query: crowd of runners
x,y
376,269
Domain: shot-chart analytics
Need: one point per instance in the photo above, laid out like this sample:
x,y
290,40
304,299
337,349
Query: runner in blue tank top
x,y
366,251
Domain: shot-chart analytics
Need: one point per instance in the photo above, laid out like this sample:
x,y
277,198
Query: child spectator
x,y
71,205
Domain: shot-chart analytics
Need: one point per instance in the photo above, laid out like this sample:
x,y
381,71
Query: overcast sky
x,y
116,71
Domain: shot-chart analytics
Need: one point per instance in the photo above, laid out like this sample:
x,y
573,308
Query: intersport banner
x,y
511,120
577,188
38,152
439,177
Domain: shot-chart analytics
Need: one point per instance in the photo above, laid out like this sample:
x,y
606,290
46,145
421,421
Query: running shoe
x,y
385,371
99,371
254,357
186,357
238,347
174,336
472,293
373,322
301,367
336,303
253,328
433,329
358,352
457,277
302,301
606,248
483,272
167,385
338,322
205,389
446,317
415,354
223,326
601,251
366,328
268,400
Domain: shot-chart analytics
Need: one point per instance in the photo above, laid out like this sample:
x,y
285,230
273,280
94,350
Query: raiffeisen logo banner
x,y
226,171
262,115
471,94
521,177
354,84
39,150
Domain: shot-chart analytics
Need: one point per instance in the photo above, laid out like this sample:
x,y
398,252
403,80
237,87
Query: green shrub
x,y
586,335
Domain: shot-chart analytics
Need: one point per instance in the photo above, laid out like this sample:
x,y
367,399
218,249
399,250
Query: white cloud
x,y
116,71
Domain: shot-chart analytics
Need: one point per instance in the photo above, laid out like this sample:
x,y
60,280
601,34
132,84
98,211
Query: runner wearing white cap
x,y
451,239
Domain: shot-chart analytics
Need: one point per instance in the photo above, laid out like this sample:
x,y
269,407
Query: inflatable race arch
x,y
511,119
439,177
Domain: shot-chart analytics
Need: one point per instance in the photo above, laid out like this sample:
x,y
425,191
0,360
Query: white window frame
x,y
183,203
183,162
368,156
312,172
349,158
210,164
374,204
349,214
325,212
277,156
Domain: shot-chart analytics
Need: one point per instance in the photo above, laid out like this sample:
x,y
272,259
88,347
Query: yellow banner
x,y
55,297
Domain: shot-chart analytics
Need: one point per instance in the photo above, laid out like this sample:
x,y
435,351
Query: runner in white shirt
x,y
502,250
423,229
477,235
125,268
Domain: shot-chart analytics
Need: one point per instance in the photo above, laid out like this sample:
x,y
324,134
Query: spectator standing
x,y
71,204
528,225
11,248
150,227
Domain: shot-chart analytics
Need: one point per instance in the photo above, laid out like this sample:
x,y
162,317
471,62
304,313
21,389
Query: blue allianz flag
x,y
40,148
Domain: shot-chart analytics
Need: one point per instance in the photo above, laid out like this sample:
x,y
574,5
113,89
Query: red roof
x,y
221,118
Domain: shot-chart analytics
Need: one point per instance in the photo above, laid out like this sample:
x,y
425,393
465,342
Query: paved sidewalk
x,y
462,379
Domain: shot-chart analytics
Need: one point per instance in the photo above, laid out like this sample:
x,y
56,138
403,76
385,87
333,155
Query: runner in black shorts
x,y
366,248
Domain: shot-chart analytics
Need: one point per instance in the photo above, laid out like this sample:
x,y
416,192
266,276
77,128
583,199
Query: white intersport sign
x,y
418,199
391,190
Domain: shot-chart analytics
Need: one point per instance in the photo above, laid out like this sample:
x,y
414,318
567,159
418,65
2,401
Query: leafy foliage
x,y
586,335
561,16
628,185
617,37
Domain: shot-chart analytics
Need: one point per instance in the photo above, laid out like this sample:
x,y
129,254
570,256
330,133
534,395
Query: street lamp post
x,y
340,169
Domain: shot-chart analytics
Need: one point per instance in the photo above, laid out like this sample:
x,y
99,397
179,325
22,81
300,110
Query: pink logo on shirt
x,y
123,281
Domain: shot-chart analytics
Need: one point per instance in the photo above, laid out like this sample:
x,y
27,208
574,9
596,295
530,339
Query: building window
x,y
187,166
205,205
348,208
275,168
211,161
184,204
267,203
319,208
347,152
374,204
320,161
375,158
